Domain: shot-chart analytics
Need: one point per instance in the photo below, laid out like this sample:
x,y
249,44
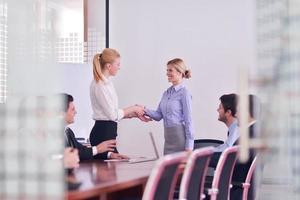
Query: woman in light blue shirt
x,y
175,108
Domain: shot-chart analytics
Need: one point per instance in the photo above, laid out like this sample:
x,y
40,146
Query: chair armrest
x,y
213,191
246,185
237,184
199,143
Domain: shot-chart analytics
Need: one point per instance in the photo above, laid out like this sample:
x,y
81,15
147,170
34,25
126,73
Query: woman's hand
x,y
137,111
144,118
118,156
133,111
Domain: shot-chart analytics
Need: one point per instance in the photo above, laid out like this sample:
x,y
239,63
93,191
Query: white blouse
x,y
104,101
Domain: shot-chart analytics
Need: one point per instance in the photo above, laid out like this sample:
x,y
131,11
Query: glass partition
x,y
277,82
30,124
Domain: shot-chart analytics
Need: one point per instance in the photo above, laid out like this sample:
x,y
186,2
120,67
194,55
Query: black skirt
x,y
102,131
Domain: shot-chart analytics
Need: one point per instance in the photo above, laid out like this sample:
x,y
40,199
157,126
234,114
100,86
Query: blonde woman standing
x,y
104,100
175,108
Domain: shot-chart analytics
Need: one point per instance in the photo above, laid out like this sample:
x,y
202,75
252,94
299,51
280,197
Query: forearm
x,y
85,153
133,111
129,112
189,142
189,136
187,116
153,114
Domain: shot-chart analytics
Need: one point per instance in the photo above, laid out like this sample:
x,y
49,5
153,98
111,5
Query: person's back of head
x,y
254,106
65,100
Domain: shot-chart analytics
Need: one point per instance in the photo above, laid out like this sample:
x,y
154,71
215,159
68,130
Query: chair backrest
x,y
247,183
206,142
223,174
192,183
162,181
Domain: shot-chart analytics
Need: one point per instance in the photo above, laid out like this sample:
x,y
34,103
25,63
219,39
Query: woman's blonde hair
x,y
108,56
179,65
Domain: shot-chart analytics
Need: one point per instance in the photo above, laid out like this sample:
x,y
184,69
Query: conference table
x,y
109,180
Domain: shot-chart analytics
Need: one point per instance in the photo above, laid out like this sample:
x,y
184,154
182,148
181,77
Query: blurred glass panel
x,y
68,21
277,82
30,126
80,27
95,28
3,50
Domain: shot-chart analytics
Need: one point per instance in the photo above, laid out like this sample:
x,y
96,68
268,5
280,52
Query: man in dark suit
x,y
241,169
103,149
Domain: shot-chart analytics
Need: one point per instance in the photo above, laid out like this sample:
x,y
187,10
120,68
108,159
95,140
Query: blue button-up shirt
x,y
233,135
175,108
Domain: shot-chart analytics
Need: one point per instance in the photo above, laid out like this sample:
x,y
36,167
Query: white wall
x,y
214,37
76,83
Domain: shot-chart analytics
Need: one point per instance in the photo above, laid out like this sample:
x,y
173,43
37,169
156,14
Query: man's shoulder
x,y
69,131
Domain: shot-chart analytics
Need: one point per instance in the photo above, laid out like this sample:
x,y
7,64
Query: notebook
x,y
145,159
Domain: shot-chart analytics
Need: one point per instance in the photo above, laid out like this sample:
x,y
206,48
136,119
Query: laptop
x,y
139,159
145,159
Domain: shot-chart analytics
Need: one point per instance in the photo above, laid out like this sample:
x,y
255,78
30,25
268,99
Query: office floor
x,y
277,183
276,192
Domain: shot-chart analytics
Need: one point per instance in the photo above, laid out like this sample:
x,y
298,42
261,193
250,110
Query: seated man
x,y
227,114
85,153
241,169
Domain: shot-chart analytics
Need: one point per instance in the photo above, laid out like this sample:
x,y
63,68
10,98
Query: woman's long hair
x,y
107,56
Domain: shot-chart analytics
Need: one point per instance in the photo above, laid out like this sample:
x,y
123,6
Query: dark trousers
x,y
102,131
236,193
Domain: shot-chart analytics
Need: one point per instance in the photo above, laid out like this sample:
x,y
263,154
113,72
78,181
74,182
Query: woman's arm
x,y
187,117
133,111
154,114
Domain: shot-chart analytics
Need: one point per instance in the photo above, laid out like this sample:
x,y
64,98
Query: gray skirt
x,y
174,139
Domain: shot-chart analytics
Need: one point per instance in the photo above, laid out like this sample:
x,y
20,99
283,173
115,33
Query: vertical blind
x,y
3,50
278,60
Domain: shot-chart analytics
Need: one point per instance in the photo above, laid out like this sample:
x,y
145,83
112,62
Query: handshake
x,y
137,111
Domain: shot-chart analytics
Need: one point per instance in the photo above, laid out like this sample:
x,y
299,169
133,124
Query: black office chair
x,y
163,178
245,186
220,186
199,143
192,183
